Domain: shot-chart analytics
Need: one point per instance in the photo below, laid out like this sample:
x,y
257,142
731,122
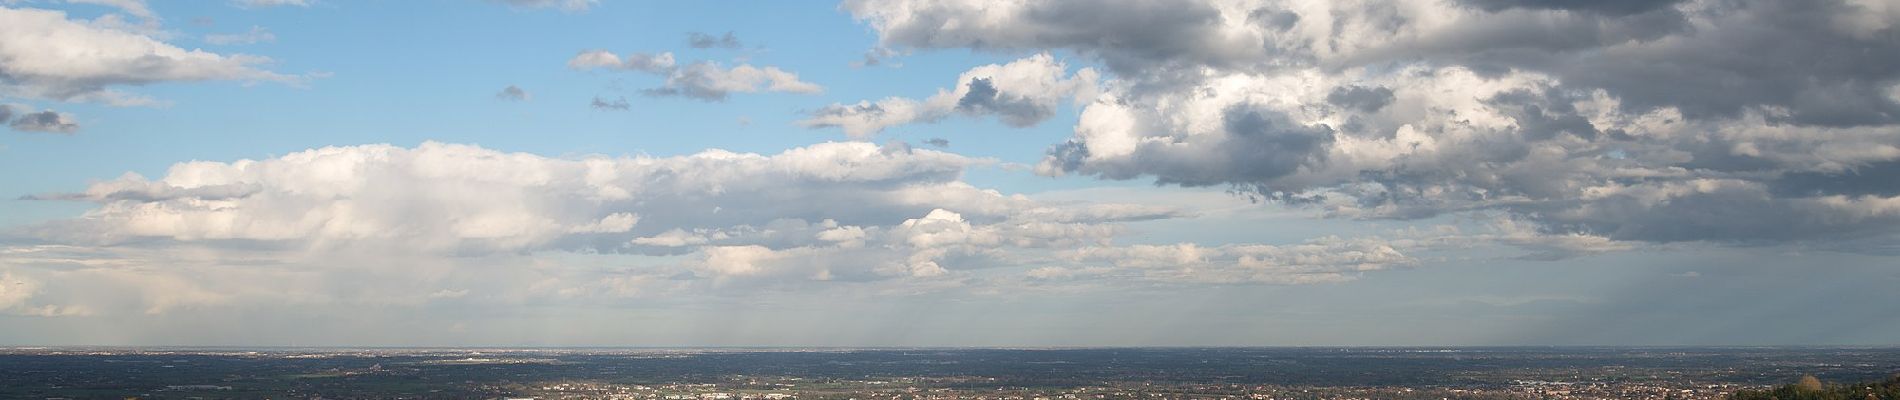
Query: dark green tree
x,y
1810,388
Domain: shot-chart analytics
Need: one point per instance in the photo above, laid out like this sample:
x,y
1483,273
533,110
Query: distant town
x,y
905,374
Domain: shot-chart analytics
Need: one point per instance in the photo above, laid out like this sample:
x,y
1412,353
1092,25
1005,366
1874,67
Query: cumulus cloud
x,y
51,57
703,80
1648,121
13,291
257,34
61,59
16,298
1020,93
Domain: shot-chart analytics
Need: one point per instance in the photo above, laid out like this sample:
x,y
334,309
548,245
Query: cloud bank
x,y
516,227
1655,121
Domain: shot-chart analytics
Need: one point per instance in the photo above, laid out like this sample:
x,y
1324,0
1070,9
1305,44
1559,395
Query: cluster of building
x,y
1626,390
888,390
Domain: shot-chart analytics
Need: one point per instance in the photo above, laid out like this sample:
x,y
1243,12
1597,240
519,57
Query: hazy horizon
x,y
950,174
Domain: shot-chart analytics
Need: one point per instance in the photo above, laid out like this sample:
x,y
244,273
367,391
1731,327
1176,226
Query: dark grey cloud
x,y
1739,61
937,142
1542,116
875,57
47,121
1020,93
1612,7
1724,212
1360,98
1874,179
1017,111
512,93
1131,36
149,192
1253,142
702,40
1279,20
1786,55
617,104
981,94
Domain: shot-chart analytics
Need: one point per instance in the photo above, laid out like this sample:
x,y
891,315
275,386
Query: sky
x,y
949,173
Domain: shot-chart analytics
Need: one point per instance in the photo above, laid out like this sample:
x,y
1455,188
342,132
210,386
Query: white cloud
x,y
379,224
257,34
707,80
591,59
445,197
49,56
704,80
271,3
563,5
612,223
16,297
1326,259
676,238
136,8
14,291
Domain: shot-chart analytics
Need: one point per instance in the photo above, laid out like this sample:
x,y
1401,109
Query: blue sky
x,y
366,90
1202,173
